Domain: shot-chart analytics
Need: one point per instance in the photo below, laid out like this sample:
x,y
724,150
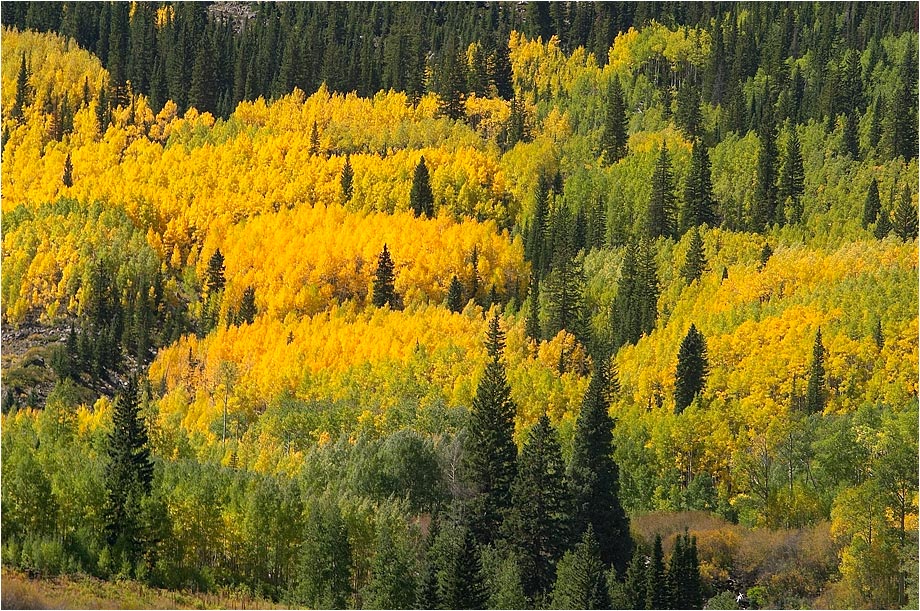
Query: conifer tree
x,y
683,577
765,253
247,312
882,225
877,335
474,276
421,199
698,203
463,586
581,581
635,582
67,177
535,247
792,180
491,451
201,94
533,312
214,279
850,137
872,206
689,117
537,522
695,261
764,208
627,310
593,476
455,295
384,291
692,369
393,581
656,596
347,180
565,283
614,137
816,393
905,217
128,477
22,90
314,139
648,288
660,221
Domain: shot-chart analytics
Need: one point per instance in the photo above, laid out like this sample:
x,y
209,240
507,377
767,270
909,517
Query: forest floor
x,y
19,591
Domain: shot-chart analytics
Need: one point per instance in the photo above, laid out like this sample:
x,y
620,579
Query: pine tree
x,y
500,74
635,582
384,292
537,522
491,451
581,581
656,596
850,136
533,312
455,295
22,90
627,306
689,117
792,180
695,261
883,225
248,311
872,206
421,199
393,582
201,94
692,369
648,288
474,275
67,177
905,217
683,578
765,253
764,208
593,475
314,139
452,89
698,204
347,180
128,477
464,587
900,129
565,283
214,279
324,570
877,335
614,137
535,247
660,221
816,393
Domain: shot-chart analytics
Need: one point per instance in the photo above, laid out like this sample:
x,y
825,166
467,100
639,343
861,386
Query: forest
x,y
463,305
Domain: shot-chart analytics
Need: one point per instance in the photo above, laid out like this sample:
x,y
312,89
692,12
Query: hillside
x,y
335,333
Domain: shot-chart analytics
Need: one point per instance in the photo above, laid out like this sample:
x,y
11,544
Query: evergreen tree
x,y
635,583
900,129
850,137
581,581
689,117
692,369
565,283
764,208
455,295
765,253
593,475
872,206
116,61
452,90
883,225
324,569
248,311
695,261
421,199
615,136
683,577
535,248
500,73
660,221
877,335
792,180
627,306
648,288
22,90
314,139
384,292
698,204
128,477
201,94
214,279
533,312
464,587
537,522
656,596
67,177
491,451
393,581
816,393
905,217
474,276
347,180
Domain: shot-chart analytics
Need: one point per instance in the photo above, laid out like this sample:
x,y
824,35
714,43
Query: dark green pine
x,y
791,181
816,393
202,92
695,261
421,198
455,295
699,203
905,217
648,288
22,90
533,311
464,587
882,225
627,312
384,291
248,311
873,205
593,475
347,180
214,281
614,136
491,451
538,520
764,208
689,117
656,594
67,176
581,582
535,247
692,369
660,221
635,582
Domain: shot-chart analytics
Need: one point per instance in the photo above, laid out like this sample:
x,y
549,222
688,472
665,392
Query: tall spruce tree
x,y
421,199
491,452
648,287
536,248
384,291
692,369
455,295
627,310
614,136
905,217
581,581
684,587
883,224
22,90
695,261
463,586
656,594
699,203
593,476
538,521
764,207
689,117
347,180
67,176
816,393
248,311
128,478
565,283
791,180
533,311
872,206
660,221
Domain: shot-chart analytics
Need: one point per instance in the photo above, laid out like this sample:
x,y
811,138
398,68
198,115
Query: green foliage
x,y
247,312
455,295
698,206
421,199
463,585
873,206
581,582
325,567
816,393
661,221
905,217
614,136
347,180
384,292
695,261
692,369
